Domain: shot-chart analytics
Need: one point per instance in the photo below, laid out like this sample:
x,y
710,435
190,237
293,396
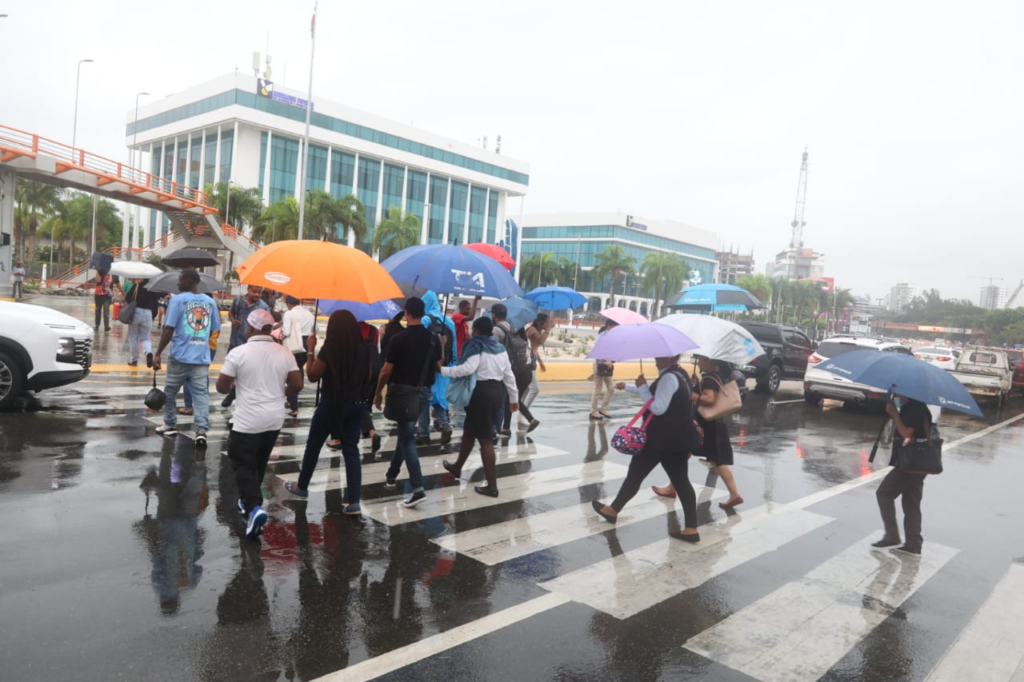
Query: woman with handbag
x,y
344,366
717,398
487,359
669,425
913,422
139,318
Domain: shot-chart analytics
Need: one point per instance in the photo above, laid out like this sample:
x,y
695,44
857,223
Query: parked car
x,y
819,384
40,348
1016,357
985,372
786,351
942,358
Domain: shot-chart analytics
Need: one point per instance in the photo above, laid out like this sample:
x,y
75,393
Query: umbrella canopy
x,y
717,297
715,338
521,311
451,269
167,283
381,310
639,341
191,258
557,298
623,315
313,269
133,269
495,252
904,375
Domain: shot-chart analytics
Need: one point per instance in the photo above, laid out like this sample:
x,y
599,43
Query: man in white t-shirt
x,y
296,326
262,372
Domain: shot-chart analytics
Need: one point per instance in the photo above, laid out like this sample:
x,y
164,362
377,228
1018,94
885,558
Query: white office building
x,y
992,297
900,296
241,129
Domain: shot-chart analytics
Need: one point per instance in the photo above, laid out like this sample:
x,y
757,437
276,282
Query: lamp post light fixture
x,y
78,79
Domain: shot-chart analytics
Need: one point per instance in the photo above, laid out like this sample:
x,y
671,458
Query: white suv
x,y
40,348
819,384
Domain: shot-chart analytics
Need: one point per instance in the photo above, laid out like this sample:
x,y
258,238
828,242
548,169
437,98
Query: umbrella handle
x,y
881,431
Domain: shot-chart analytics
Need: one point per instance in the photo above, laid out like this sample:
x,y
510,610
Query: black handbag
x,y
127,313
921,457
155,399
402,402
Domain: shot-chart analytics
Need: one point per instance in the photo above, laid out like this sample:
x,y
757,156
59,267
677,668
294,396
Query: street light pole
x,y
227,207
78,79
129,240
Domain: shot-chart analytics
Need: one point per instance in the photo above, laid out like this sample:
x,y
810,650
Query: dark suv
x,y
786,351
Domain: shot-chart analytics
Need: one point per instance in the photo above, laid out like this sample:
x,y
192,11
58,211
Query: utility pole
x,y
309,112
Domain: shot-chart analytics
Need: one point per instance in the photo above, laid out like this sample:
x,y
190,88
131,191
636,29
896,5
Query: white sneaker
x,y
167,430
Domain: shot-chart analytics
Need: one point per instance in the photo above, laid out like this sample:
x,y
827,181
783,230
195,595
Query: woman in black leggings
x,y
524,377
669,434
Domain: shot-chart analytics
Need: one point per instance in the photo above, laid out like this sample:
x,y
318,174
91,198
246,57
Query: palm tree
x,y
664,274
613,262
565,271
396,232
759,285
278,221
78,222
352,217
539,269
246,204
36,201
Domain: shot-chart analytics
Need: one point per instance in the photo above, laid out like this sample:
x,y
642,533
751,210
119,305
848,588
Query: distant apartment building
x,y
797,264
992,297
900,297
732,265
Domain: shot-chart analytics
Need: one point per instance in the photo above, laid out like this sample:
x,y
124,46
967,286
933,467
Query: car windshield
x,y
933,351
833,349
769,334
1015,356
983,359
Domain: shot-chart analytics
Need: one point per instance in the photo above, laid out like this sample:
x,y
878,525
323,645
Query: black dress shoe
x,y
915,551
693,538
484,490
450,468
598,507
885,542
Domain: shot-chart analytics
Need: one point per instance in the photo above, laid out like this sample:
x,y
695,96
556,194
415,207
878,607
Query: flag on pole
x,y
312,24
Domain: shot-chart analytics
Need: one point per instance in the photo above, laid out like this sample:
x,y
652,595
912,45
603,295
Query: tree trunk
x,y
611,298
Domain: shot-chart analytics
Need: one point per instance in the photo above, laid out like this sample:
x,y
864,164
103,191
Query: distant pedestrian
x,y
239,311
343,365
502,334
439,326
141,328
486,358
161,311
518,350
103,287
913,421
411,363
670,428
537,334
18,273
604,382
296,328
261,372
191,318
462,320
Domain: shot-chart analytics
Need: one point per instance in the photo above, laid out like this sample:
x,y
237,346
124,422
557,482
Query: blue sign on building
x,y
511,241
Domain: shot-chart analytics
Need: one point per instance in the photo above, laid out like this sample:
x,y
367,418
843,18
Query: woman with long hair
x,y
344,365
484,356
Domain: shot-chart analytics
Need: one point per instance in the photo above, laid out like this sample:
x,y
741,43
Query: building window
x,y
193,171
263,160
394,177
210,159
316,168
343,173
416,193
226,147
284,164
180,168
438,196
477,206
457,212
492,219
369,180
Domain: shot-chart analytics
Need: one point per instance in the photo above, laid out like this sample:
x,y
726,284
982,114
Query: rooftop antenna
x,y
797,241
497,148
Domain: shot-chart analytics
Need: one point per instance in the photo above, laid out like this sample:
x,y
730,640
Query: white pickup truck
x,y
985,372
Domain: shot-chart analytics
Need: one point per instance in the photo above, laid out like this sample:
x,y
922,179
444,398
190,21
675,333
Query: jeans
x,y
102,308
406,451
188,393
197,378
423,428
346,421
911,488
300,360
674,462
249,454
139,332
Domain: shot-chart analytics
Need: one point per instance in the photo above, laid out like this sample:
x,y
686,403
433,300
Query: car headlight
x,y
66,349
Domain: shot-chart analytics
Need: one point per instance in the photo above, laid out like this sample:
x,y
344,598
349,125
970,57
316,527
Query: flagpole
x,y
305,142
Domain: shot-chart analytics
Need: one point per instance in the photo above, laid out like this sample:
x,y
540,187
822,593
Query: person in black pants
x,y
668,433
912,421
524,377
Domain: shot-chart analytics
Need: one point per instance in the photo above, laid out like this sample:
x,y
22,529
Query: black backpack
x,y
441,330
518,349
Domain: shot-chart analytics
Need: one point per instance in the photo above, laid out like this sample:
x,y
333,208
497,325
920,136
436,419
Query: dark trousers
x,y
344,420
523,380
249,454
674,462
300,360
19,289
102,308
911,488
406,452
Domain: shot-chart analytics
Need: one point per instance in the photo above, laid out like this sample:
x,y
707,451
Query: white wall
x,y
245,163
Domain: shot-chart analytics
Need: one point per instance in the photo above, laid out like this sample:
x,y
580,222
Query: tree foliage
x,y
664,274
396,231
613,262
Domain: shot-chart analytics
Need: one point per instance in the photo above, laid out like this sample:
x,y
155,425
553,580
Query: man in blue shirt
x,y
191,318
241,308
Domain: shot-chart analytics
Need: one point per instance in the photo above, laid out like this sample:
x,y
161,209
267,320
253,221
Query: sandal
x,y
293,488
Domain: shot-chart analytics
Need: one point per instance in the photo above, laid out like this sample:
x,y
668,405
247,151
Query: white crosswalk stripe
x,y
799,631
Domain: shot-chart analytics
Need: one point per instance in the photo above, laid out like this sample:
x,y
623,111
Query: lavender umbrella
x,y
639,341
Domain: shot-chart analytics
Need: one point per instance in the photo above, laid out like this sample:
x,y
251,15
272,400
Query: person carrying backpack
x,y
518,349
443,328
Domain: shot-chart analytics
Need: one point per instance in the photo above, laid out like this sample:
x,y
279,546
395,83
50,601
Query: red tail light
x,y
814,359
943,359
917,355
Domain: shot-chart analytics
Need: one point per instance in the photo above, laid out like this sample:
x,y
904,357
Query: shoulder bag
x,y
293,341
921,457
127,314
630,440
728,401
402,403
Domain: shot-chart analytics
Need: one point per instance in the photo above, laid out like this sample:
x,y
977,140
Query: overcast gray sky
x,y
697,112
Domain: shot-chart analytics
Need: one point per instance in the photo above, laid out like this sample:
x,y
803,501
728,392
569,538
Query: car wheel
x,y
774,378
812,399
11,381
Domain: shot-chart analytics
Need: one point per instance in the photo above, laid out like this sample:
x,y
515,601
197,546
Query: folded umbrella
x,y
381,310
557,298
449,269
716,338
623,316
639,341
167,283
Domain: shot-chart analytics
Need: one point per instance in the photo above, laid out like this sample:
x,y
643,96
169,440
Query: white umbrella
x,y
715,338
133,269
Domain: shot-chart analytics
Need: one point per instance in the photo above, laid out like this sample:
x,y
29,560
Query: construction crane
x,y
797,241
1014,295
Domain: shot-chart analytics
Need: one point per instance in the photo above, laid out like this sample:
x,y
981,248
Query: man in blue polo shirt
x,y
191,318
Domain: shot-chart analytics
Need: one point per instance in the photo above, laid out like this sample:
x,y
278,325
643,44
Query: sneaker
x,y
423,441
167,430
446,435
414,499
200,439
375,443
534,424
257,518
352,510
149,360
133,363
241,508
390,483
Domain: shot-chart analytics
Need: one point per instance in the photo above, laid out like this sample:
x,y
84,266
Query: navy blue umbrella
x,y
451,269
904,375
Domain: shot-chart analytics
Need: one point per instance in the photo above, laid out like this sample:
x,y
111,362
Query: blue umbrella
x,y
381,310
557,298
451,269
904,375
716,297
521,311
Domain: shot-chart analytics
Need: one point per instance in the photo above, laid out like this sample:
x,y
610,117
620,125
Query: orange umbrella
x,y
313,269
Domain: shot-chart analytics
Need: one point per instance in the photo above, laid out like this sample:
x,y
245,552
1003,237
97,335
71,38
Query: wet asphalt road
x,y
122,555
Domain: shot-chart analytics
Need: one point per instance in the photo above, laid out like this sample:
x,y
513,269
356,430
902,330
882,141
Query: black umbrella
x,y
191,258
167,283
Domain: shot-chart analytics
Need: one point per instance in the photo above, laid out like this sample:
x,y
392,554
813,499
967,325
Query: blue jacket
x,y
434,314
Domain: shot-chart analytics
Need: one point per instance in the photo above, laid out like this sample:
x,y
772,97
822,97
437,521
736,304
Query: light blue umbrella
x,y
449,269
521,311
716,298
556,298
381,310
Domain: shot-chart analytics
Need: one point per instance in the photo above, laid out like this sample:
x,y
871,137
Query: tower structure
x,y
797,240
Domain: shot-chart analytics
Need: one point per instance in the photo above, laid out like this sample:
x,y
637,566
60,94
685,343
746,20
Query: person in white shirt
x,y
484,356
262,372
297,322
